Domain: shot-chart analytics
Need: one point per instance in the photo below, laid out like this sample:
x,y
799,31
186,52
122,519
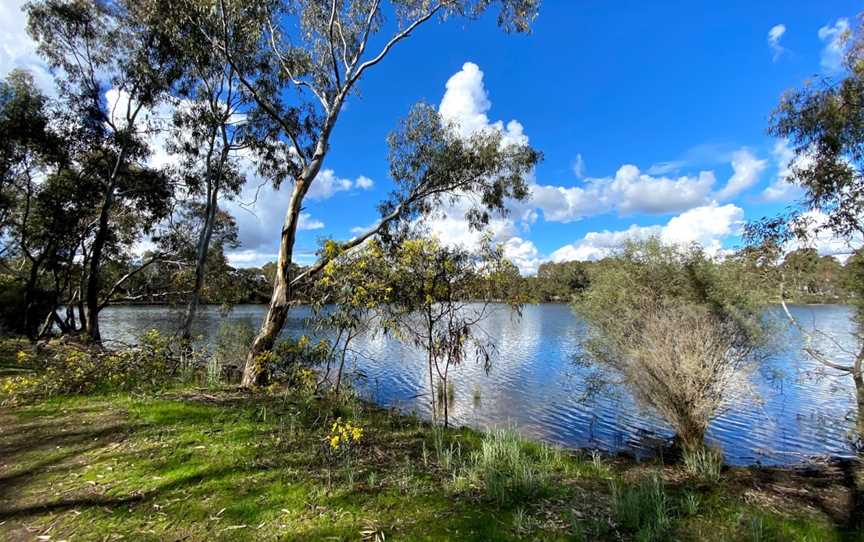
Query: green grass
x,y
224,465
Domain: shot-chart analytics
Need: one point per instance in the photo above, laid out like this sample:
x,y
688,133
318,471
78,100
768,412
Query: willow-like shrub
x,y
680,331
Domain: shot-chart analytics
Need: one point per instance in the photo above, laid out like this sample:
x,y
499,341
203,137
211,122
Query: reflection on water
x,y
534,384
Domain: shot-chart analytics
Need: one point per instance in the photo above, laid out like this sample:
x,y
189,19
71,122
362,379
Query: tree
x,y
825,124
29,150
111,69
676,329
300,61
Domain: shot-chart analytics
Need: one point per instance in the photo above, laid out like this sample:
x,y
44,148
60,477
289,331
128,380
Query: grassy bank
x,y
226,466
189,463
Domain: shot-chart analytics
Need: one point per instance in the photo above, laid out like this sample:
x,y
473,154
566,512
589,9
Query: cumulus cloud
x,y
834,37
746,171
824,240
774,36
466,103
327,183
781,190
524,254
306,222
629,191
707,225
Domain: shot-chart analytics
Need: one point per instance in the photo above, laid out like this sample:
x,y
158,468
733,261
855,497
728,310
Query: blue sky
x,y
640,108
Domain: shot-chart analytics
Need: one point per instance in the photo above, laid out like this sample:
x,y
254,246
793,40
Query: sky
x,y
651,117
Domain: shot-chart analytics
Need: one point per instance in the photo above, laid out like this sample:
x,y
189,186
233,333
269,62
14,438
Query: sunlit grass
x,y
223,465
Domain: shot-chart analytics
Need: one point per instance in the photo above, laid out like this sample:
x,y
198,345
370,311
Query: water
x,y
803,411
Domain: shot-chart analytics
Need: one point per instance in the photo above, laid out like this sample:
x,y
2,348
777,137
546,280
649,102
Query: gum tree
x,y
824,122
111,69
300,61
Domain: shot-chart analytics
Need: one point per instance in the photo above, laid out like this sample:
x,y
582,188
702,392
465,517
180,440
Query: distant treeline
x,y
802,275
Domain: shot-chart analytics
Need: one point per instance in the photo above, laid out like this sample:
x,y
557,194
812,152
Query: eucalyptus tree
x,y
300,61
437,307
111,70
824,123
29,150
209,136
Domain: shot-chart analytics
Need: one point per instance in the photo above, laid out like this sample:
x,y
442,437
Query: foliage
x,y
677,329
343,435
70,369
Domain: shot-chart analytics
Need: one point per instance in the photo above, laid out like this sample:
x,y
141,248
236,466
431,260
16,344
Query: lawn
x,y
196,464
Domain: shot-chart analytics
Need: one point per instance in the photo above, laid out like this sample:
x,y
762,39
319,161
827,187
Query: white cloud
x,y
523,254
781,190
835,43
17,50
774,36
306,222
579,167
466,103
746,171
364,183
327,184
708,225
629,191
250,258
824,240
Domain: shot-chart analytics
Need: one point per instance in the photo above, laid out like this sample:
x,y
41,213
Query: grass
x,y
202,464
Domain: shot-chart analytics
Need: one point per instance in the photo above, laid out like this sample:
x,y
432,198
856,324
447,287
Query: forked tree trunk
x,y
95,272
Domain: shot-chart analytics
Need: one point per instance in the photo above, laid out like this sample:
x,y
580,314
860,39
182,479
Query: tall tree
x,y
300,61
111,69
29,150
209,136
825,124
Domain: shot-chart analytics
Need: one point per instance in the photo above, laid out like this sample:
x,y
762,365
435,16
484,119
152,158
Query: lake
x,y
799,411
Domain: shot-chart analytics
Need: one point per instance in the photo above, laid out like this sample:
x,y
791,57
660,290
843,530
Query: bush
x,y
509,468
72,369
677,329
233,341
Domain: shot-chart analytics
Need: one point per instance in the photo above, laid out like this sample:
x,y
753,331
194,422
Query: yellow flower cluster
x,y
343,435
23,357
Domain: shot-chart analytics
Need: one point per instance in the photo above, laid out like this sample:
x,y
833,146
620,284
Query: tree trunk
x,y
99,240
255,373
858,377
200,263
31,328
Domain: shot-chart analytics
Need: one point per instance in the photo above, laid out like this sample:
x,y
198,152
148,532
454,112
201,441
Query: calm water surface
x,y
802,412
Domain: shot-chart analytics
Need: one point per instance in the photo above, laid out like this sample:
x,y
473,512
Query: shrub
x,y
72,369
677,329
704,463
233,341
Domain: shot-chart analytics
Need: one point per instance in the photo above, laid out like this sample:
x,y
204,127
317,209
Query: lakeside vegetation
x,y
264,437
176,459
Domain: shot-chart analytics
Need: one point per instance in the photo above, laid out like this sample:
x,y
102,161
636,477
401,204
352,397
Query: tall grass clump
x,y
704,463
508,468
643,509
